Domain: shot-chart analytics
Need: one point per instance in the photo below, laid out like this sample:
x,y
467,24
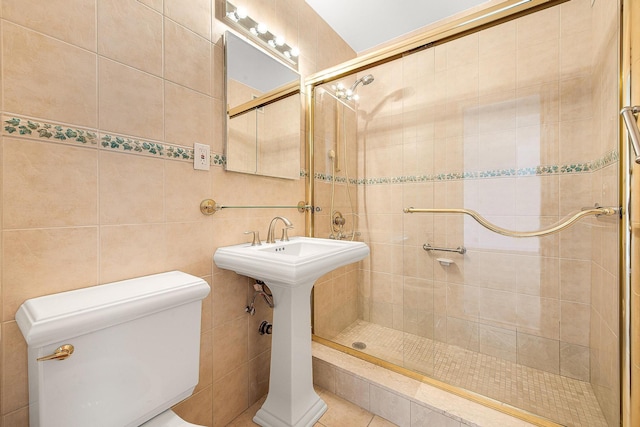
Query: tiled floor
x,y
564,400
340,413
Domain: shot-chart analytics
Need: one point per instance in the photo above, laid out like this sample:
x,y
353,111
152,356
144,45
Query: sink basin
x,y
298,261
290,269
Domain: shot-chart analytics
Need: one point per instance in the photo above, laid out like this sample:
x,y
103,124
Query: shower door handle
x,y
628,114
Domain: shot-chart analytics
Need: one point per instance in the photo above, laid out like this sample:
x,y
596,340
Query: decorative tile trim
x,y
218,159
22,127
541,170
144,147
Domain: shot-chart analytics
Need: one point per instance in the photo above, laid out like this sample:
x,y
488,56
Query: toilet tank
x,y
136,350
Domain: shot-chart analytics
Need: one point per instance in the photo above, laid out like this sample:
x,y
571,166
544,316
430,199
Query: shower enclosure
x,y
518,121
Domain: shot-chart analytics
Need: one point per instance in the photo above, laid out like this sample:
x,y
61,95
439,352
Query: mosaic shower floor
x,y
564,400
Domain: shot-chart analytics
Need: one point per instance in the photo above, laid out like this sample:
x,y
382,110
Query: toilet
x,y
114,355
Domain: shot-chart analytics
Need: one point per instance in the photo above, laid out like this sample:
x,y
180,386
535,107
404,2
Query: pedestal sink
x,y
290,269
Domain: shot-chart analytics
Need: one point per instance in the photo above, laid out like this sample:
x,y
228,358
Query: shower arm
x,y
629,116
597,211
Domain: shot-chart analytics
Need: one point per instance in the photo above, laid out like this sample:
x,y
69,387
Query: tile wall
x,y
101,104
520,123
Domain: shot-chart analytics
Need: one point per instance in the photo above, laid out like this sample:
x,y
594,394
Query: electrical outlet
x,y
201,156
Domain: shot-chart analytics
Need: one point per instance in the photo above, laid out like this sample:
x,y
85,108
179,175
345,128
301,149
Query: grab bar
x,y
628,114
597,211
460,249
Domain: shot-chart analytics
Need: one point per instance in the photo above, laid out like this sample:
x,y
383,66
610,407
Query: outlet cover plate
x,y
201,156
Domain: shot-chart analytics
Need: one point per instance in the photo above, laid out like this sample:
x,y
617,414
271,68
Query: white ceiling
x,y
364,24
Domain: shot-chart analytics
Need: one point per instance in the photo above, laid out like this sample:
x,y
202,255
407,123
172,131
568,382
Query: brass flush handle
x,y
61,353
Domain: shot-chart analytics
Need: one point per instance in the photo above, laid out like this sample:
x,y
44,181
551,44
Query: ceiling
x,y
364,24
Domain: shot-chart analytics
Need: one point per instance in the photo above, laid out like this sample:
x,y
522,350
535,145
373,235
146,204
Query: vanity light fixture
x,y
239,18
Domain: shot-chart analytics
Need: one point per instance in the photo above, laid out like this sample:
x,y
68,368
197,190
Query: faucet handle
x,y
285,236
256,238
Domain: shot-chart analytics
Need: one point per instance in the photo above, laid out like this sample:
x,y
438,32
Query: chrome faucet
x,y
288,225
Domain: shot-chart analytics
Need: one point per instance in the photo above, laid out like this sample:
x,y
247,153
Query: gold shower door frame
x,y
630,224
629,179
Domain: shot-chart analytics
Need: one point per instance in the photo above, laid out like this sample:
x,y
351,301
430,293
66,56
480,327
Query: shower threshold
x,y
565,400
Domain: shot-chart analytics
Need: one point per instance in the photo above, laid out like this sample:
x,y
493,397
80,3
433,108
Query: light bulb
x,y
355,97
262,28
232,16
241,12
279,41
295,51
254,31
287,54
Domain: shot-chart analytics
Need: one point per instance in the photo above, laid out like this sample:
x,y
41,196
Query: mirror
x,y
263,112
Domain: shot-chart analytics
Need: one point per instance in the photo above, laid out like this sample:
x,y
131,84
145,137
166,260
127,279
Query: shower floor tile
x,y
564,400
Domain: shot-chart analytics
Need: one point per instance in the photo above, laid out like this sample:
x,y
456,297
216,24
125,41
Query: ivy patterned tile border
x,y
542,170
21,127
149,148
16,126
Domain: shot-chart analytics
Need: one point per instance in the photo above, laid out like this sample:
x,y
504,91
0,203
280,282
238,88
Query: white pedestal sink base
x,y
266,419
290,269
292,401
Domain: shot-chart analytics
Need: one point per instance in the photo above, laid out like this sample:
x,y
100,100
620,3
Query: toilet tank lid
x,y
53,318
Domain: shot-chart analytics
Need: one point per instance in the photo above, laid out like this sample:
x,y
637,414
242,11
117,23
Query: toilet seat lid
x,y
168,419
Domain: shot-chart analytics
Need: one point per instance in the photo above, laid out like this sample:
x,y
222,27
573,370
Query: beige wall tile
x,y
130,33
539,316
196,17
189,247
462,333
132,250
33,260
188,116
78,26
130,189
352,388
538,276
574,361
324,375
14,363
187,58
229,347
230,396
154,4
19,418
229,294
538,63
498,342
541,27
574,323
575,281
205,378
390,406
540,353
498,307
49,185
184,189
37,91
423,416
259,372
124,94
340,411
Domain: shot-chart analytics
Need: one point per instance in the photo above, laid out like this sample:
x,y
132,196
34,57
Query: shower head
x,y
350,94
365,80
